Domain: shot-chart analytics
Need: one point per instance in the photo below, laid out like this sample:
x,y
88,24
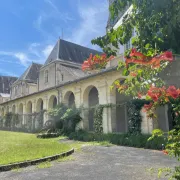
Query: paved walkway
x,y
98,163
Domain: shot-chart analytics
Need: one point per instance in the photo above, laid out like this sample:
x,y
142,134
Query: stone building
x,y
61,79
5,84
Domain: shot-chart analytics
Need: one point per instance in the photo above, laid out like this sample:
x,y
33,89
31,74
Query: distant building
x,y
5,83
5,86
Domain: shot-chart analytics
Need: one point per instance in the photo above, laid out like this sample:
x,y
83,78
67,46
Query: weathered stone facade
x,y
61,81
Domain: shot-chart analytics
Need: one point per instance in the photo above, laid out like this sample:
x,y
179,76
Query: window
x,y
62,77
46,76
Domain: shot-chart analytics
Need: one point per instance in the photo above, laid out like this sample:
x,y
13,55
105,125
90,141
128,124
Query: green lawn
x,y
16,147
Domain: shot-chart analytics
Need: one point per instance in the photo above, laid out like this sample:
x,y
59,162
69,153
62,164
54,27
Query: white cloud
x,y
47,50
94,16
22,58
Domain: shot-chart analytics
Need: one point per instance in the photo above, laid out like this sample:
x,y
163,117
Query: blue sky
x,y
30,28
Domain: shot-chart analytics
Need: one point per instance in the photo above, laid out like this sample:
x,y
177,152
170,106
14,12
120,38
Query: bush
x,y
139,141
48,135
64,121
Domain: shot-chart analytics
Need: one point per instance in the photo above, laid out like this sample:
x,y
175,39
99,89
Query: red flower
x,y
155,93
134,74
165,152
147,107
173,92
139,95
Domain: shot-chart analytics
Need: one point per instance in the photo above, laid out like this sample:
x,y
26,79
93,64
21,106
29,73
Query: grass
x,y
46,164
17,147
66,158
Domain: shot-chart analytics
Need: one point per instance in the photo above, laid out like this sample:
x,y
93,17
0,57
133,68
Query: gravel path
x,y
99,163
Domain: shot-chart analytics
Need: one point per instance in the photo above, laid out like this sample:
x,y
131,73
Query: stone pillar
x,y
45,107
146,124
77,94
23,114
102,89
111,95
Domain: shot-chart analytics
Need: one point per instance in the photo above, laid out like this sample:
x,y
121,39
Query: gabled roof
x,y
31,74
71,52
5,83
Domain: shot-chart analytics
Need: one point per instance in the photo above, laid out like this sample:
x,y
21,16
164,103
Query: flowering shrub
x,y
144,81
139,58
96,62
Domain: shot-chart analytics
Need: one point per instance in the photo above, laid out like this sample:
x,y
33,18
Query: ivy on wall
x,y
133,111
98,119
134,115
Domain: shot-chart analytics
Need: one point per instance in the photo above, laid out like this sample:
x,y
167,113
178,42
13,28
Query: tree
x,y
157,26
156,22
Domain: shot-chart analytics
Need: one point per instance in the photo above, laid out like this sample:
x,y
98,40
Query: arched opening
x,y
28,117
90,99
52,102
14,109
40,105
93,100
40,116
69,99
21,112
20,109
29,107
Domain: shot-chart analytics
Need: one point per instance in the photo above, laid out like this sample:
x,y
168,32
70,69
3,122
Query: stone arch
x,y
52,102
29,107
14,109
91,99
21,108
39,105
69,99
40,114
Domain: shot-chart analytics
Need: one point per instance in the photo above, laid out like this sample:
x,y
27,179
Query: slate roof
x,y
31,74
76,72
5,83
71,52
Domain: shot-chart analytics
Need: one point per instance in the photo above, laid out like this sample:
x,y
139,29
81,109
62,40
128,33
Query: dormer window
x,y
46,76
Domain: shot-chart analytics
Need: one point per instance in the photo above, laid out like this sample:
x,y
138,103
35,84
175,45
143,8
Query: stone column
x,y
146,124
111,96
45,107
23,114
34,118
77,94
102,89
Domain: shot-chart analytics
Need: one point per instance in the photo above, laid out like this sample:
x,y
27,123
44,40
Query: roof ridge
x,y
80,45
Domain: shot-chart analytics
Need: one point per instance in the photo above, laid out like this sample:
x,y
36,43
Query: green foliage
x,y
139,140
65,119
134,108
8,119
98,125
156,24
18,147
